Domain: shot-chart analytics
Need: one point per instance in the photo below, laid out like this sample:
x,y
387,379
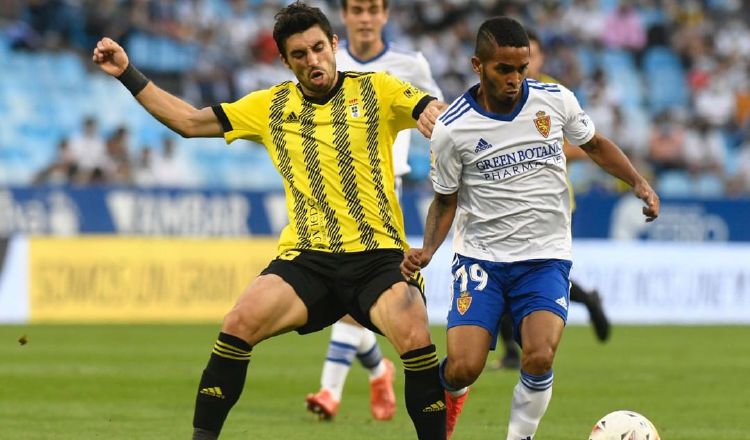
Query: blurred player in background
x,y
511,359
364,50
330,136
498,167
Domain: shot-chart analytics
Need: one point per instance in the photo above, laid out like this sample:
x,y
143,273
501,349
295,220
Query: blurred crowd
x,y
668,80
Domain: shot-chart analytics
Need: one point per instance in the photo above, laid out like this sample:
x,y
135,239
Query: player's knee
x,y
538,360
239,323
462,372
411,337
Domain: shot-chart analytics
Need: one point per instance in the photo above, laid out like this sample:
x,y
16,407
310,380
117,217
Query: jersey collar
x,y
471,97
324,99
386,46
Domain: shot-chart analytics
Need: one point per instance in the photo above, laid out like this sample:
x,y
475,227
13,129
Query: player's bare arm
x,y
437,225
572,152
178,115
609,156
429,115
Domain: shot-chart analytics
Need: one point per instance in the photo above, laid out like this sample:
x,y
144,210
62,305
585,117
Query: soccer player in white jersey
x,y
498,167
366,51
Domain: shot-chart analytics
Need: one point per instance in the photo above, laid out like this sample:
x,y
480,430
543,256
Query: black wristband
x,y
133,79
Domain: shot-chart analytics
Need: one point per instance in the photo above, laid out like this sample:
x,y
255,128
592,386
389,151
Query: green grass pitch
x,y
139,382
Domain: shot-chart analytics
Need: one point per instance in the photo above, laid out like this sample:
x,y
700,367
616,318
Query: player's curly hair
x,y
295,18
499,31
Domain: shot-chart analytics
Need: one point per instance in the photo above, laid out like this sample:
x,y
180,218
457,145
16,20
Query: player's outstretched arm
x,y
437,225
429,115
178,115
609,156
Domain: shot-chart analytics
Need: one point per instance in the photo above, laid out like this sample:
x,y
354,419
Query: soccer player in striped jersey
x,y
511,359
330,136
365,50
498,168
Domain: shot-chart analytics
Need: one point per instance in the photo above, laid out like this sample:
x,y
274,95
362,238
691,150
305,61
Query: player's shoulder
x,y
548,87
270,92
357,76
456,112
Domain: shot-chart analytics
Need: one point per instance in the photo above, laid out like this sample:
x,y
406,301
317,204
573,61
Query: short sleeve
x,y
246,118
578,128
406,102
445,162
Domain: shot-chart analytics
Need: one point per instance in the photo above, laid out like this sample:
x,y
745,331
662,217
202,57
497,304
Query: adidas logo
x,y
482,145
213,391
562,302
292,117
435,407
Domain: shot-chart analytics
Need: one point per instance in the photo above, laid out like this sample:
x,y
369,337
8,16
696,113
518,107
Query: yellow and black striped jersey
x,y
335,157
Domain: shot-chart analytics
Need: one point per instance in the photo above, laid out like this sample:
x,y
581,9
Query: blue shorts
x,y
484,290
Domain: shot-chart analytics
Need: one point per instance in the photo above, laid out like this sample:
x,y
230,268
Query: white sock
x,y
345,338
530,399
459,393
369,354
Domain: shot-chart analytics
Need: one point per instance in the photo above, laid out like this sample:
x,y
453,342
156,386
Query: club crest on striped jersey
x,y
354,107
463,302
543,123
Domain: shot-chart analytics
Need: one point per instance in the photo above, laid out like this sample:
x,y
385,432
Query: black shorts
x,y
332,285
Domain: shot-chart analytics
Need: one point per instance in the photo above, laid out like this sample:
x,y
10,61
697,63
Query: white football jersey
x,y
406,65
509,171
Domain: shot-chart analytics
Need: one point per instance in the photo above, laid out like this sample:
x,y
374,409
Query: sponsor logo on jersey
x,y
482,145
463,302
292,118
354,107
543,123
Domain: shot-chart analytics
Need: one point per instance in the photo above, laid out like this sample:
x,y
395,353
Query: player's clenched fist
x,y
414,259
110,57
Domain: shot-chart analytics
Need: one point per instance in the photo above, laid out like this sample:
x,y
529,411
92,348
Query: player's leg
x,y
468,346
350,339
401,315
381,374
342,348
538,299
477,305
540,332
593,302
269,306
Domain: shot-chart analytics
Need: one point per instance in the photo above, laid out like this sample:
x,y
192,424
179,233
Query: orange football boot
x,y
322,404
382,397
453,405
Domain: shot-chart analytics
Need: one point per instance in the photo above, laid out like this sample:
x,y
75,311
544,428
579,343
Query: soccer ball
x,y
624,425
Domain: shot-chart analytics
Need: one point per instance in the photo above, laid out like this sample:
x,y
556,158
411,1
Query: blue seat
x,y
708,185
674,184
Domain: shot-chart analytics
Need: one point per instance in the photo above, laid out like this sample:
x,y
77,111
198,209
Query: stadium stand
x,y
688,60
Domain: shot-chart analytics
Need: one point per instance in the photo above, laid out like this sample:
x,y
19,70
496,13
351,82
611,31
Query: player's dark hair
x,y
533,36
502,32
295,18
345,5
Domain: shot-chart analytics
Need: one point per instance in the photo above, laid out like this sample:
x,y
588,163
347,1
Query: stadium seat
x,y
666,83
674,184
708,185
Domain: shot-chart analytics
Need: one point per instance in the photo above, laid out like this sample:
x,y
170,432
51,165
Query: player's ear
x,y
284,61
335,43
476,64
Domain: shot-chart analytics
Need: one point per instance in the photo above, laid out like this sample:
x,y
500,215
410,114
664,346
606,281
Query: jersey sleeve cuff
x,y
223,119
419,108
440,189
